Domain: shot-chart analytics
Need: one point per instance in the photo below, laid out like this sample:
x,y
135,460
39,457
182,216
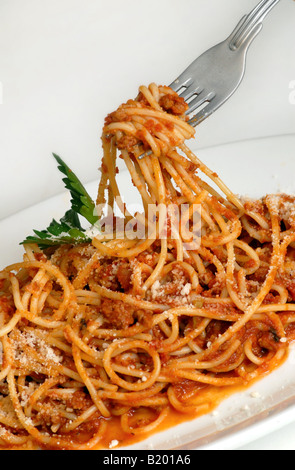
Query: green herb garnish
x,y
81,201
69,229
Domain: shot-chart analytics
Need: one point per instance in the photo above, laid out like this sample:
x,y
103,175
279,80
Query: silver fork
x,y
213,78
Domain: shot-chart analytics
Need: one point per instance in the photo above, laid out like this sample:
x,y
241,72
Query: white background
x,y
65,64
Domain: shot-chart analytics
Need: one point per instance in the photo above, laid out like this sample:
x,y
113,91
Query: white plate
x,y
253,168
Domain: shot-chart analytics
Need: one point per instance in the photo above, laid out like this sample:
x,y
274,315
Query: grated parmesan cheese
x,y
113,443
186,289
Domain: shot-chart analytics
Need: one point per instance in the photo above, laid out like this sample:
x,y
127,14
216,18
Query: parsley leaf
x,y
68,230
81,201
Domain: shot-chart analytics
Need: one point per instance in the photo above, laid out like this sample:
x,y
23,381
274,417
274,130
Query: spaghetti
x,y
106,342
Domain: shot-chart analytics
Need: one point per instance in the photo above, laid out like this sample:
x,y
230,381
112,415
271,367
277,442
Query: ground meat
x,y
289,282
173,104
115,276
79,401
117,116
117,314
127,142
106,276
5,306
124,276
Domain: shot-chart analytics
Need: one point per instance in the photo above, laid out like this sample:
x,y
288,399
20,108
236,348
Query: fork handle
x,y
251,23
